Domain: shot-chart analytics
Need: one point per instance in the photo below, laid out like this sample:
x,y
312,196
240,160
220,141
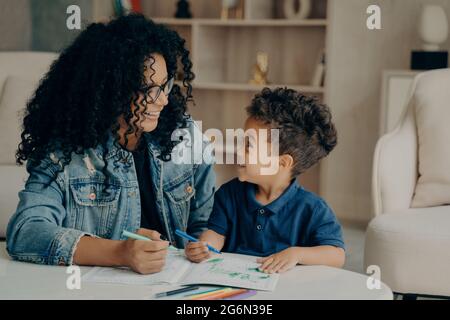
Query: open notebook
x,y
223,271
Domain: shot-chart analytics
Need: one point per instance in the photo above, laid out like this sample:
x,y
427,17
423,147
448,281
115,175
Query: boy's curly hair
x,y
94,81
306,131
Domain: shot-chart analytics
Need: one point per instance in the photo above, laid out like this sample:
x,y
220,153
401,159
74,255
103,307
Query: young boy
x,y
272,216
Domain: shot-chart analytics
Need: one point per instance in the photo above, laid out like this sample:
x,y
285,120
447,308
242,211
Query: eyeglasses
x,y
154,91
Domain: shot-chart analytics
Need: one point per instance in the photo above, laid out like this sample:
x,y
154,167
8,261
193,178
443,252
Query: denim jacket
x,y
49,222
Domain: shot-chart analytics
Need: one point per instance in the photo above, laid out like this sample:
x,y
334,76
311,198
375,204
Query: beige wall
x,y
15,25
356,58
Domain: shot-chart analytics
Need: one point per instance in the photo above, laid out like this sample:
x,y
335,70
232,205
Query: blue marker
x,y
192,239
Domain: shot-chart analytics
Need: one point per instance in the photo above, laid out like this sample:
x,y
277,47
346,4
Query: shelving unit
x,y
243,23
223,53
251,87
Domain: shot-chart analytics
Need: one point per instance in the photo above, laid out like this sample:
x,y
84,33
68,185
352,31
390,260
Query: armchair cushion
x,y
411,247
432,107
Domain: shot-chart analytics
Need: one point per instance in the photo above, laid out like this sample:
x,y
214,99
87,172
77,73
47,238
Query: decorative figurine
x,y
232,9
183,10
261,69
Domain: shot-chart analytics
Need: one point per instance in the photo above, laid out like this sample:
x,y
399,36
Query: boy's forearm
x,y
321,255
213,238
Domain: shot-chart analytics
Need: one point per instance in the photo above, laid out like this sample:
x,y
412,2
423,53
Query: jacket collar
x,y
115,151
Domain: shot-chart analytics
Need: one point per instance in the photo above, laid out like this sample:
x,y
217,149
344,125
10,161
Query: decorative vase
x,y
433,27
297,9
433,30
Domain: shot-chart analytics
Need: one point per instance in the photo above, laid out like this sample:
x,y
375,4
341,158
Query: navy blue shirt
x,y
149,214
298,218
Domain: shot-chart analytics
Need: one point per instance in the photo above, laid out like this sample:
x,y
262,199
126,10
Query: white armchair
x,y
410,245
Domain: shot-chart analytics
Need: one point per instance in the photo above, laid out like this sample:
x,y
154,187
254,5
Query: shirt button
x,y
261,211
259,227
92,196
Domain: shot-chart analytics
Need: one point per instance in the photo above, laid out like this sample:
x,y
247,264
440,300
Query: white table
x,y
20,280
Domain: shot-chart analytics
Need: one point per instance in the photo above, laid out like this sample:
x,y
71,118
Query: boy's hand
x,y
280,262
197,251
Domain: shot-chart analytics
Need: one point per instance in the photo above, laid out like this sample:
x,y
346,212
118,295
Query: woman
x,y
97,141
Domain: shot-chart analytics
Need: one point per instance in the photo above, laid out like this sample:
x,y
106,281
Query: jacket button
x,y
189,189
259,227
92,196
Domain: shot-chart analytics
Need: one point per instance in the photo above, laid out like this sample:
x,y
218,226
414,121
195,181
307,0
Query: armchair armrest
x,y
395,166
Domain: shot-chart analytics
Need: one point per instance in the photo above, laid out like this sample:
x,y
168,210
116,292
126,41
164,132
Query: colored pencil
x,y
199,294
241,296
215,293
222,295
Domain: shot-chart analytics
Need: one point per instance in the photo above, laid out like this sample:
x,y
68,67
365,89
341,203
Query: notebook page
x,y
176,266
230,271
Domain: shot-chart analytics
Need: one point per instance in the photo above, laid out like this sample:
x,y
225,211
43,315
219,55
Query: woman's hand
x,y
145,256
197,251
281,261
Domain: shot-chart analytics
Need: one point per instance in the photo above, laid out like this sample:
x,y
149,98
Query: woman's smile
x,y
152,115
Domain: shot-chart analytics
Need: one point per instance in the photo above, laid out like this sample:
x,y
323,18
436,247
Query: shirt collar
x,y
276,205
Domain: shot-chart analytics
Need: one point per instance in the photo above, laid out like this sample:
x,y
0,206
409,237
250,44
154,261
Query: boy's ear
x,y
286,161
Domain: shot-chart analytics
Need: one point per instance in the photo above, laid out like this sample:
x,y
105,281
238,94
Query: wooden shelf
x,y
253,87
173,21
243,23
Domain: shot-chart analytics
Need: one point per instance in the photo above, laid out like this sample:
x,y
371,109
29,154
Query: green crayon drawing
x,y
245,276
217,268
255,270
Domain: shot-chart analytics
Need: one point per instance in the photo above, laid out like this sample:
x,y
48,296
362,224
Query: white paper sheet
x,y
233,272
226,271
176,266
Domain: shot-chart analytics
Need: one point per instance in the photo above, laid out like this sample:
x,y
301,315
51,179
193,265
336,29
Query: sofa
x,y
20,73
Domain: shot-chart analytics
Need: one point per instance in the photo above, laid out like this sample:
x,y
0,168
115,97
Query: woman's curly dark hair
x,y
94,82
306,131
